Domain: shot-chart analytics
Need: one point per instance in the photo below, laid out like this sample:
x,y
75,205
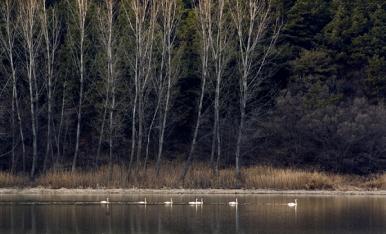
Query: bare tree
x,y
202,15
252,19
169,17
82,7
142,19
218,37
51,30
106,20
29,10
8,43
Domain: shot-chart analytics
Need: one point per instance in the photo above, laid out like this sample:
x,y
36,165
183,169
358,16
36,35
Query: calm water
x,y
255,214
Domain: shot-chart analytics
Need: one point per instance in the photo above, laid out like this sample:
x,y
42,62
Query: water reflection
x,y
254,214
237,219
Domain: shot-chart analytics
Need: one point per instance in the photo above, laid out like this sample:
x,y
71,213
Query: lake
x,y
254,214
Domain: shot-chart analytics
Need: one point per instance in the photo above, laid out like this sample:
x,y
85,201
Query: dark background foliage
x,y
322,105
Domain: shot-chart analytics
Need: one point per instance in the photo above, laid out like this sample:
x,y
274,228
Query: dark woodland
x,y
228,83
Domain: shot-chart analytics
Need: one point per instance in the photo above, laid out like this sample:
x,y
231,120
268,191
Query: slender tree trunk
x,y
160,98
133,129
59,135
216,143
111,128
51,40
80,103
140,129
49,108
33,118
12,161
149,133
168,9
135,29
163,126
219,60
101,132
49,116
166,110
240,132
82,13
189,160
216,146
111,77
202,13
28,19
8,42
16,109
20,127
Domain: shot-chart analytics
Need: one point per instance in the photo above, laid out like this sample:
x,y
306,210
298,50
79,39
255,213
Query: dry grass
x,y
10,180
270,178
377,182
89,179
200,176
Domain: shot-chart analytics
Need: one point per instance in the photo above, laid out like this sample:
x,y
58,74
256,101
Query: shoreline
x,y
135,191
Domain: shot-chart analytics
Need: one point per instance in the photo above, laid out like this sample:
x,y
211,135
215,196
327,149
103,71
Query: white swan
x,y
292,204
169,202
233,203
105,202
193,203
142,202
196,202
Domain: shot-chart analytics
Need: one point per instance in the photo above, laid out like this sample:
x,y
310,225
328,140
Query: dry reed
x,y
10,180
199,177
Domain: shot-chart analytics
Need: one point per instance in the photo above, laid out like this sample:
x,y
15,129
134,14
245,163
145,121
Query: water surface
x,y
254,214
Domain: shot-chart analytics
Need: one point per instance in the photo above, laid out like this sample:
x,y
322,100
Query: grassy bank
x,y
200,177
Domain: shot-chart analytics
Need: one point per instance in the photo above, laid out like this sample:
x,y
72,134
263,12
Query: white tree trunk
x,y
8,41
82,8
142,19
28,20
51,36
169,11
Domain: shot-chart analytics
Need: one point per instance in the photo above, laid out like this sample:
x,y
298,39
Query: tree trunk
x,y
111,133
165,114
202,13
133,129
59,135
79,111
149,134
140,129
103,123
20,127
16,109
82,8
33,120
239,136
49,114
189,160
216,146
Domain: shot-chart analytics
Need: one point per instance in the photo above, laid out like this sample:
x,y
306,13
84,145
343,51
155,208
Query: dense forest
x,y
232,83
